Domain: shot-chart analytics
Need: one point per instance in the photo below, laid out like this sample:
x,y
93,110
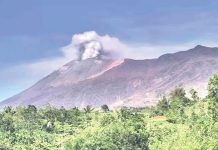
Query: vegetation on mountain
x,y
177,122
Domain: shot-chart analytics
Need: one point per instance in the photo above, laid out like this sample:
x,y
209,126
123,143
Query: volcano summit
x,y
121,82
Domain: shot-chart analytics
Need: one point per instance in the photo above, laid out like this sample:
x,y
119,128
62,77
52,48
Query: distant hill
x,y
120,82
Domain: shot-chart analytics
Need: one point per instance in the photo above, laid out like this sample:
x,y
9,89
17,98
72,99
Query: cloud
x,y
89,45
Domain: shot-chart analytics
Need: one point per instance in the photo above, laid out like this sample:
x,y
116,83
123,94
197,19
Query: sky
x,y
35,36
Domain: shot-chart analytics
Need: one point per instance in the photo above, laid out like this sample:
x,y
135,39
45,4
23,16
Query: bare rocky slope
x,y
127,82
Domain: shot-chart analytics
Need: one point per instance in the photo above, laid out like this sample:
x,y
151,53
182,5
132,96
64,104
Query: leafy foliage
x,y
213,97
177,122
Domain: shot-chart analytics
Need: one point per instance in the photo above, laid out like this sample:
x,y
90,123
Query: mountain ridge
x,y
121,82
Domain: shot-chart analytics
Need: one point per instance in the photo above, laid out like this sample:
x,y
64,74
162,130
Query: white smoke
x,y
91,45
91,49
87,45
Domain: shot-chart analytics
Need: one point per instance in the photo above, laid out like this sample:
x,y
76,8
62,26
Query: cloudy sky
x,y
38,36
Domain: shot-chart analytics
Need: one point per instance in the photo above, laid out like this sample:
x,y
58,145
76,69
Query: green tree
x,y
88,109
105,108
177,103
194,95
162,106
213,97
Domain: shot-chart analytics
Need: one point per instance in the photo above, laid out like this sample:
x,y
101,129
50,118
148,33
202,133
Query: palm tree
x,y
88,109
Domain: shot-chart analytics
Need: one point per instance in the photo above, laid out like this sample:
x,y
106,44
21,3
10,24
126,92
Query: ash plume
x,y
91,45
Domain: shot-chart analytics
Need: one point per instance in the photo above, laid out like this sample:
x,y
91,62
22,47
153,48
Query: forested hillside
x,y
176,123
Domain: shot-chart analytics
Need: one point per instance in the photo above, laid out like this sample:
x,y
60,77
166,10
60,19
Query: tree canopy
x,y
177,122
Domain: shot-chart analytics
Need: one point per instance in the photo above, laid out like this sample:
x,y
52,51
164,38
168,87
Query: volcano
x,y
121,82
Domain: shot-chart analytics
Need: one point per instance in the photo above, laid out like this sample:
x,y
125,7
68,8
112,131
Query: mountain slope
x,y
121,82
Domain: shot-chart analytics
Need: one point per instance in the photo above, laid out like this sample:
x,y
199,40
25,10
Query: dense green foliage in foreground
x,y
176,123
